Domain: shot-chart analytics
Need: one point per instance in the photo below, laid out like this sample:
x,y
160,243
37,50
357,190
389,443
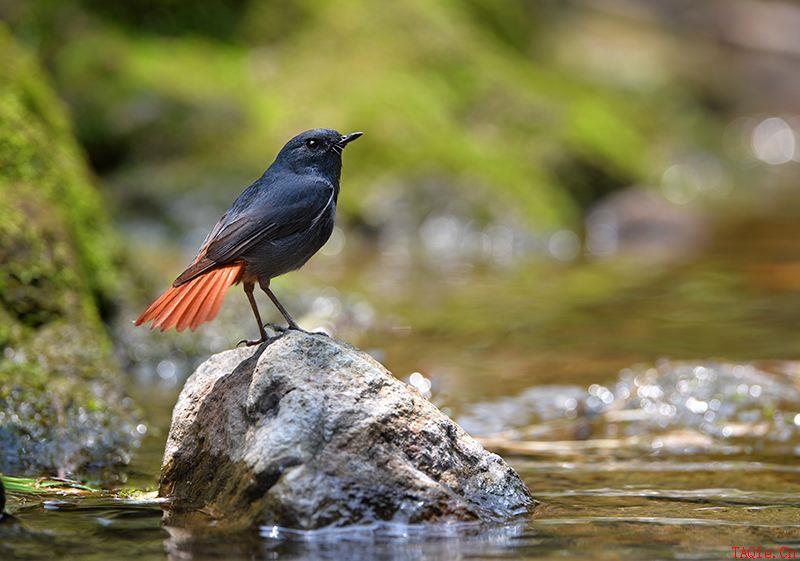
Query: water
x,y
654,414
671,508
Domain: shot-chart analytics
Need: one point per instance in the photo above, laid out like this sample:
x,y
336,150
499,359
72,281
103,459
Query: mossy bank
x,y
61,406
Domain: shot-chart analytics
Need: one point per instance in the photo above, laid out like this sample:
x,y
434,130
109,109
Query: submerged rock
x,y
306,432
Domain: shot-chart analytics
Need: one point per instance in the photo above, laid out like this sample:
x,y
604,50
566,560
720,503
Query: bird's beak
x,y
348,138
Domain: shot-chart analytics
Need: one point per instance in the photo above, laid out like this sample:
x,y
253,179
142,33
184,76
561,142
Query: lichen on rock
x,y
306,432
61,404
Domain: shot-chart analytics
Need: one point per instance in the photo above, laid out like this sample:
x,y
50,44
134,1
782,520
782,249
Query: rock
x,y
61,407
641,223
306,432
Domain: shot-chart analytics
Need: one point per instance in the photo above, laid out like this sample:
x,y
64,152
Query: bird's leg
x,y
248,289
265,287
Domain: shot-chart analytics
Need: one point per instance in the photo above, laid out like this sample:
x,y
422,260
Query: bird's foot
x,y
277,328
251,343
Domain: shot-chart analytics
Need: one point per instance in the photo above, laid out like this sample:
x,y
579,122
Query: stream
x,y
655,418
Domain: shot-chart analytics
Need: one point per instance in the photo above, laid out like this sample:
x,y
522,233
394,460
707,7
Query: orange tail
x,y
194,302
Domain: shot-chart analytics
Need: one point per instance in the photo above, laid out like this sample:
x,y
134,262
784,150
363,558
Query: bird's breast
x,y
276,257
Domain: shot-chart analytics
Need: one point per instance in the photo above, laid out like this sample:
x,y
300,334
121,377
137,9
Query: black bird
x,y
274,227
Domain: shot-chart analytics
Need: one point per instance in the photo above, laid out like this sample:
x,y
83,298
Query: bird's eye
x,y
312,143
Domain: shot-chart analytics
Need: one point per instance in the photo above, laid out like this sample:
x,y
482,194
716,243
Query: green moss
x,y
483,97
60,402
38,152
444,90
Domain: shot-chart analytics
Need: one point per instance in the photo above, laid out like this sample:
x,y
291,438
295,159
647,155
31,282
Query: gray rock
x,y
306,432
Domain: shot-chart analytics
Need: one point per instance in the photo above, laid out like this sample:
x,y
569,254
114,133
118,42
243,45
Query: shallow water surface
x,y
632,455
670,508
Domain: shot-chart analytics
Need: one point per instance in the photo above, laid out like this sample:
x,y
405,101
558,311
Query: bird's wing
x,y
269,213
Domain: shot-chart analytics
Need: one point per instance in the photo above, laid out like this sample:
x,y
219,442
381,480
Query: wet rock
x,y
306,432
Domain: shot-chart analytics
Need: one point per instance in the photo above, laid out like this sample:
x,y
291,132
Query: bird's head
x,y
317,150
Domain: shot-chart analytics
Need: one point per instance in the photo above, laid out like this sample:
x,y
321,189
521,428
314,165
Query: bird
x,y
275,225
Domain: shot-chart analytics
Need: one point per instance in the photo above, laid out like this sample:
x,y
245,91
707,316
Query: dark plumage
x,y
273,227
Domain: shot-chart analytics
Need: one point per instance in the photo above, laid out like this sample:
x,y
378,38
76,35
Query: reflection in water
x,y
637,509
379,541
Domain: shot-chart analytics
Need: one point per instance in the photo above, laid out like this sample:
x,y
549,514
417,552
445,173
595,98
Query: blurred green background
x,y
546,191
572,224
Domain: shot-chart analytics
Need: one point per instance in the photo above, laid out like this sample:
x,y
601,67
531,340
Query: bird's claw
x,y
251,343
277,328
